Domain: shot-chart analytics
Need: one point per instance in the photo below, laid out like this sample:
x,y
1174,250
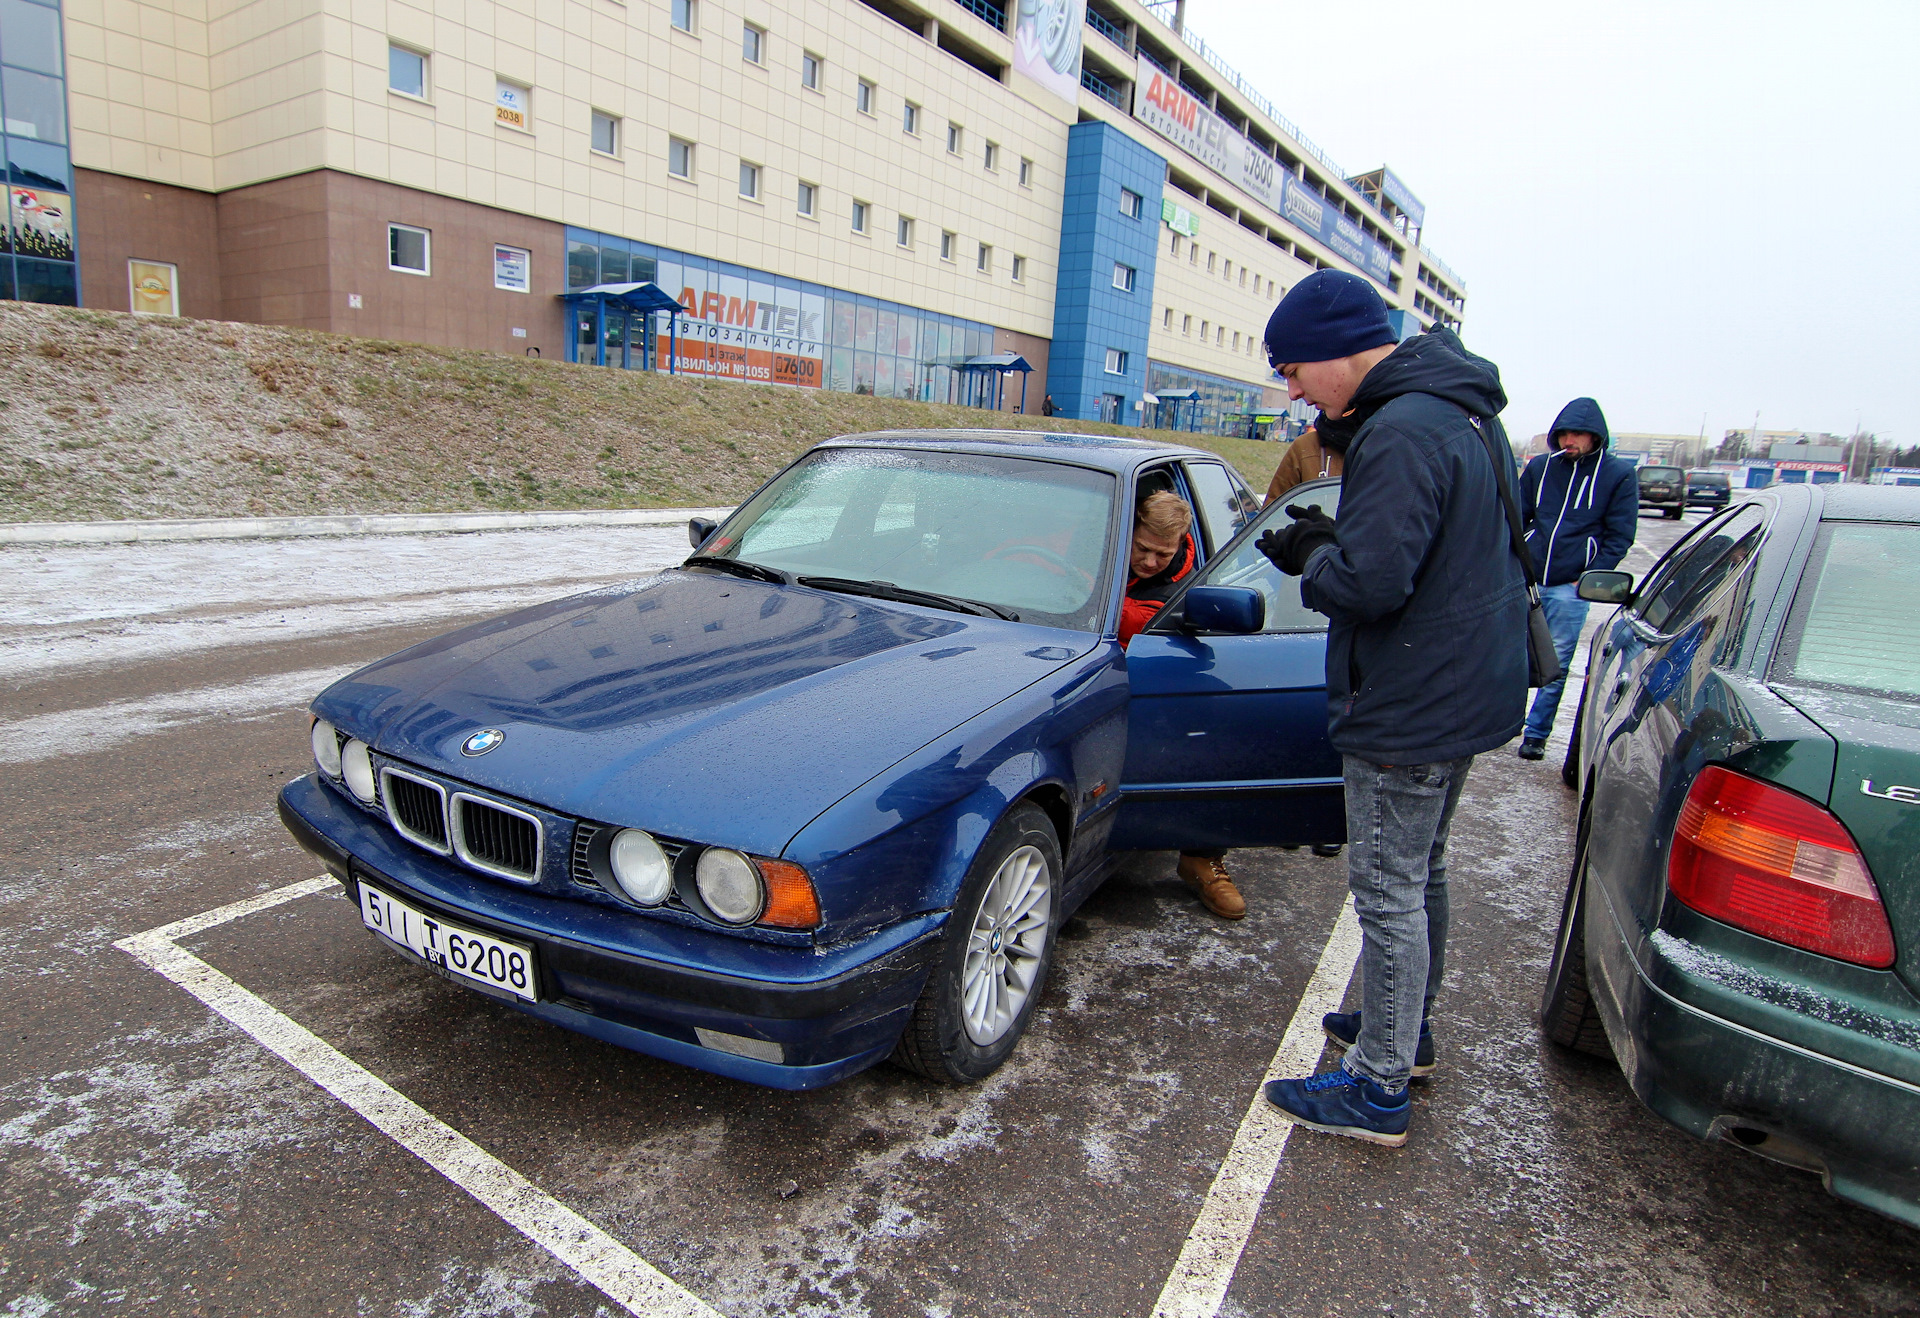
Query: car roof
x,y
1869,503
1109,452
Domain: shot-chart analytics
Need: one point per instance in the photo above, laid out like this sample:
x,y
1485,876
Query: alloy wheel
x,y
1006,944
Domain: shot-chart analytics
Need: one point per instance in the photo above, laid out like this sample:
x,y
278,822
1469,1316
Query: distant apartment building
x,y
910,198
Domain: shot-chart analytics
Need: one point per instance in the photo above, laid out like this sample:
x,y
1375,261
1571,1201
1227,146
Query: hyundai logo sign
x,y
482,741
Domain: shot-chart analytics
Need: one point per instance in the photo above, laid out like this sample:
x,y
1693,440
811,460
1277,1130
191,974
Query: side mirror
x,y
698,529
1603,587
1233,610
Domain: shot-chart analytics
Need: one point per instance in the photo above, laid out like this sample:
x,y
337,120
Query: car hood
x,y
699,706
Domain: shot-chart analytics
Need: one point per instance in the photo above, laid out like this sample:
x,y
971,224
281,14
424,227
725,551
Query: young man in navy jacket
x,y
1581,510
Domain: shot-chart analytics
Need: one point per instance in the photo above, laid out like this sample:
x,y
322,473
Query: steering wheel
x,y
1062,565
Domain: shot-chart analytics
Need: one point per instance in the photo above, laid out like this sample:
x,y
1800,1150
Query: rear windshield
x,y
1659,473
1857,614
1716,479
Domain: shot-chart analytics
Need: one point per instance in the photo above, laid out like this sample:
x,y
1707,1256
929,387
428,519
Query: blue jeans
x,y
1397,821
1566,615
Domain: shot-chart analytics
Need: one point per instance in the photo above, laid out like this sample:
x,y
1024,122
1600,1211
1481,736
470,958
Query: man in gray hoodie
x,y
1580,509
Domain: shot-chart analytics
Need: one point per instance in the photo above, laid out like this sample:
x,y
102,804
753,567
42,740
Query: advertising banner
x,y
1169,110
512,268
510,104
1179,218
153,288
41,223
1402,196
746,330
1177,115
1046,44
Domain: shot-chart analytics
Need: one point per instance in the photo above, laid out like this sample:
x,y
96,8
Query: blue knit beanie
x,y
1328,314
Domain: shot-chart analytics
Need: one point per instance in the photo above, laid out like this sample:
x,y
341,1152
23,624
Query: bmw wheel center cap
x,y
482,741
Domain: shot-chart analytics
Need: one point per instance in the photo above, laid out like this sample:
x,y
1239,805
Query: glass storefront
x,y
1220,406
749,325
37,258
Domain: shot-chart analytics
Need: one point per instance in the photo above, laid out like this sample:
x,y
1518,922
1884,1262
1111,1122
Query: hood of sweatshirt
x,y
1580,414
1434,363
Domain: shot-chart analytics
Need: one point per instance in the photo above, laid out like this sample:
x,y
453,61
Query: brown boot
x,y
1207,875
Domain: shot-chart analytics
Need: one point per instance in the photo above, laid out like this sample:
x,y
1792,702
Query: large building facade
x,y
889,196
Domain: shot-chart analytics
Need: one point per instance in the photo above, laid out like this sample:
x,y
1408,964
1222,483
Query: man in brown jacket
x,y
1306,459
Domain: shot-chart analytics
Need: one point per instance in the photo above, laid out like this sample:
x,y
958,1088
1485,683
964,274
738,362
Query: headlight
x,y
640,867
729,885
356,766
326,748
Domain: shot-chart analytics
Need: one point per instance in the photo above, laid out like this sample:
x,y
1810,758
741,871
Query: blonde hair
x,y
1164,515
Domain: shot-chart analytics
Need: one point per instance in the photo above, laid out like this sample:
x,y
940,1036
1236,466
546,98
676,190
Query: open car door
x,y
1227,732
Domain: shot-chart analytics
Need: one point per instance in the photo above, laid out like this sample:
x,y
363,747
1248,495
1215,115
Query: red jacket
x,y
1145,595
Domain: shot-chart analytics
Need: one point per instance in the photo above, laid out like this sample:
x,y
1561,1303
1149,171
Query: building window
x,y
409,250
1186,324
1166,321
985,264
1173,246
1220,337
953,139
153,288
512,268
991,156
1226,270
749,181
860,209
1116,362
947,239
1243,280
810,71
863,97
606,134
903,232
1236,340
809,195
679,158
1210,257
683,15
1019,269
910,118
407,71
753,44
1123,276
512,105
1193,254
1026,172
1206,328
1130,204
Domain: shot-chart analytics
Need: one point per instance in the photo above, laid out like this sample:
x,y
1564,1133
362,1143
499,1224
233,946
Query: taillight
x,y
1762,859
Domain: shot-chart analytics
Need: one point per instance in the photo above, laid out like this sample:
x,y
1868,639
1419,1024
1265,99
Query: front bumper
x,y
645,984
1716,1078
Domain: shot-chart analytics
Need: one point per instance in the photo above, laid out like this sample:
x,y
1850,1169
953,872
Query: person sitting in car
x,y
1163,556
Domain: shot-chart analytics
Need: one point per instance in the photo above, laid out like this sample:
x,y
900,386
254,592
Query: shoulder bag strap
x,y
1501,479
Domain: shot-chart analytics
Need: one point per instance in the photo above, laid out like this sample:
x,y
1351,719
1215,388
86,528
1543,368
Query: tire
x,y
994,960
1567,1014
1570,767
1673,514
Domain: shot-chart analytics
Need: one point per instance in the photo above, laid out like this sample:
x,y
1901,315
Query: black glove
x,y
1292,547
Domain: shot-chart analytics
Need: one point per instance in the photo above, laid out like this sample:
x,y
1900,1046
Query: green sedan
x,y
1742,924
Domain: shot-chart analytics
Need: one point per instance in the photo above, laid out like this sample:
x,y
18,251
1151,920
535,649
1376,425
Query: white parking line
x,y
1199,1281
624,1276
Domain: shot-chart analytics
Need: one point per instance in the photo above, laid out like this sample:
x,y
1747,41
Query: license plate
x,y
458,951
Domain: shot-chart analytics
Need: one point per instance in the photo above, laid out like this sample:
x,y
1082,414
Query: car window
x,y
1029,535
1659,474
1716,480
1856,616
1224,507
1689,576
1240,564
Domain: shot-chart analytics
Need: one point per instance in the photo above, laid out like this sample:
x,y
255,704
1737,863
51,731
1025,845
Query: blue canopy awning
x,y
997,361
634,297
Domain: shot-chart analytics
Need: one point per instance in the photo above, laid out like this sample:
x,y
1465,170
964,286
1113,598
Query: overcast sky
x,y
1686,209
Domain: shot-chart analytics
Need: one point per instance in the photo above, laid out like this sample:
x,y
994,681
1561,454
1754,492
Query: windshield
x,y
1659,473
1021,534
1713,480
1859,625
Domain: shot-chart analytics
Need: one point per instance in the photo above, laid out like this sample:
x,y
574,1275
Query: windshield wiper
x,y
886,590
739,567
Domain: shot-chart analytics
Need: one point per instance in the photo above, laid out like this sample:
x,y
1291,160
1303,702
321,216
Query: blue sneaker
x,y
1341,1103
1343,1027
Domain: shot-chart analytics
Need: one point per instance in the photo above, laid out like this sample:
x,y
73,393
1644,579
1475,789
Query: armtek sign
x,y
1169,110
1184,120
728,332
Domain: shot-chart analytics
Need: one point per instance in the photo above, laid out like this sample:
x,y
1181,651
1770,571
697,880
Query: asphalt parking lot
x,y
159,1158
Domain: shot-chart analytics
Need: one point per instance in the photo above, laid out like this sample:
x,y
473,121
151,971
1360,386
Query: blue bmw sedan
x,y
823,794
